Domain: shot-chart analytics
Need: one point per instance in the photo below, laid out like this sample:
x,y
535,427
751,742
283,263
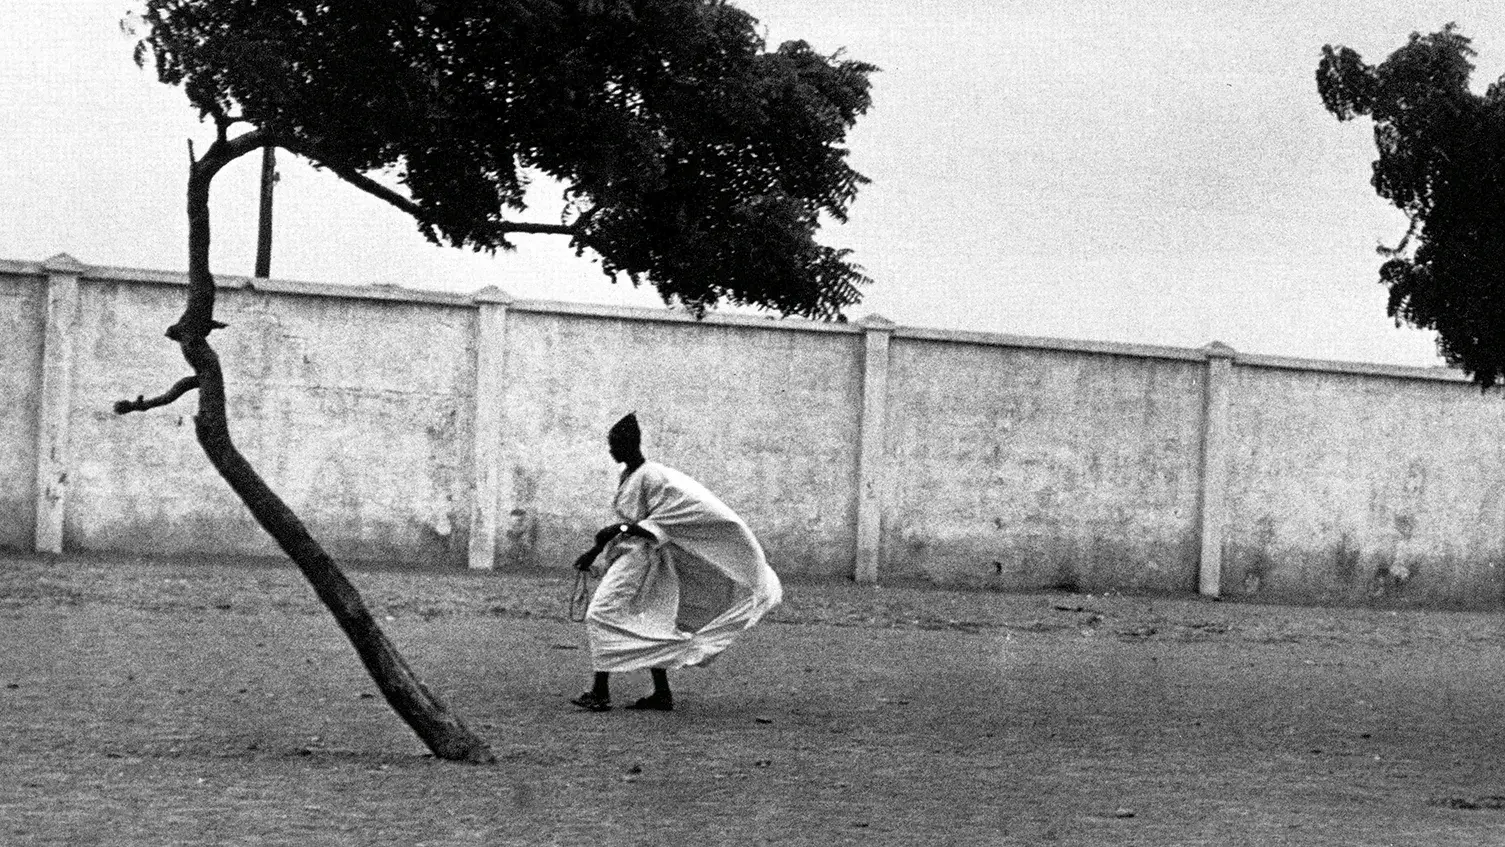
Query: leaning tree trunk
x,y
439,728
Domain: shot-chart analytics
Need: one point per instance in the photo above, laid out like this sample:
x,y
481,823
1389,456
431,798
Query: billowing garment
x,y
681,598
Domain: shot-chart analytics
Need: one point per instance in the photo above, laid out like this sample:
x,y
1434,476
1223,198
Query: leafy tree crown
x,y
693,158
1442,162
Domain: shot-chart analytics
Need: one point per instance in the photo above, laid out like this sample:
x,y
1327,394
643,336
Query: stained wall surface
x,y
960,458
356,412
1030,468
1346,486
23,308
767,418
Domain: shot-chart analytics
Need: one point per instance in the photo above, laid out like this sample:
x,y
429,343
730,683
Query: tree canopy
x,y
693,158
1442,162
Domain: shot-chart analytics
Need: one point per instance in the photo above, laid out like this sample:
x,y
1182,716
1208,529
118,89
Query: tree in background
x,y
1442,162
693,159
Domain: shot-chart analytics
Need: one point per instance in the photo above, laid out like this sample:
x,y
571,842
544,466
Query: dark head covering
x,y
626,432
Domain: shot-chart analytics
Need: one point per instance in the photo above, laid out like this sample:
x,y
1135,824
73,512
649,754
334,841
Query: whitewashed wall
x,y
469,430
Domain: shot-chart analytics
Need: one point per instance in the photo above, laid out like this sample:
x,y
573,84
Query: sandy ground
x,y
173,702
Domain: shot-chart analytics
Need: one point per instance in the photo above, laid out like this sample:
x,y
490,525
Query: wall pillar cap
x,y
63,263
877,322
493,294
1219,350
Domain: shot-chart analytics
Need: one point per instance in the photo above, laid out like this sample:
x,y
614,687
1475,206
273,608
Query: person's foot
x,y
654,702
592,702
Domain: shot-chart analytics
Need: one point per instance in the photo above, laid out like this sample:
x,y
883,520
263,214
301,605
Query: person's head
x,y
625,440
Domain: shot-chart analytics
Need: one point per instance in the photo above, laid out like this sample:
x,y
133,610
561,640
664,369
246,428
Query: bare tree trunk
x,y
439,728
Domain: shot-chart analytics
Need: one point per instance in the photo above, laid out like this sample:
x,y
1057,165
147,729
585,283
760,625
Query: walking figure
x,y
683,576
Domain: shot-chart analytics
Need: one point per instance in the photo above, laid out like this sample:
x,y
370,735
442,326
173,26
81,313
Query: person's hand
x,y
586,560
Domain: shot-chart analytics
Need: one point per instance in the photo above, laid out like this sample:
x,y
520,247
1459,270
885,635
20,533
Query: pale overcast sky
x,y
1157,171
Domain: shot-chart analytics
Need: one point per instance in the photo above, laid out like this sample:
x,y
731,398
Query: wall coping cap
x,y
1219,350
1432,374
668,315
494,294
63,263
876,321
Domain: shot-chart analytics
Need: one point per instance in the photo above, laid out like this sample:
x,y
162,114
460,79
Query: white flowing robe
x,y
681,598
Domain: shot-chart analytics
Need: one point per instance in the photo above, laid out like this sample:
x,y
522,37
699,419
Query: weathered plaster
x,y
1352,487
356,412
766,418
23,308
440,429
1028,468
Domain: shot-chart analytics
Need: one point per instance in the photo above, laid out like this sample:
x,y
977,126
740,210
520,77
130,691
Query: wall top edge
x,y
12,267
1439,374
491,294
232,282
1214,350
1068,345
666,315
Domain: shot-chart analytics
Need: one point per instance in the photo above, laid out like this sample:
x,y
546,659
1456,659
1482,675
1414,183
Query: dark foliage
x,y
694,158
1442,162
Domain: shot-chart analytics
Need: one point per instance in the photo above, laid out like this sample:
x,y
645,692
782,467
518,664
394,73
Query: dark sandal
x,y
654,702
590,702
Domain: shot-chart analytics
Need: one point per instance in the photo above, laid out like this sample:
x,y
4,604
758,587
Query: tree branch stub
x,y
142,404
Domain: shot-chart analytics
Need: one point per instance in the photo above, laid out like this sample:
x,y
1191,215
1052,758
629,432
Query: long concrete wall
x,y
1343,486
469,430
1015,467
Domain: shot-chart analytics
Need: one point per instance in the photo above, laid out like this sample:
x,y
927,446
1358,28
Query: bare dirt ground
x,y
162,703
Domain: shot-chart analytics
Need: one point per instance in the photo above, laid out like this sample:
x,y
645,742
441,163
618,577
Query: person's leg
x,y
617,629
662,699
598,699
